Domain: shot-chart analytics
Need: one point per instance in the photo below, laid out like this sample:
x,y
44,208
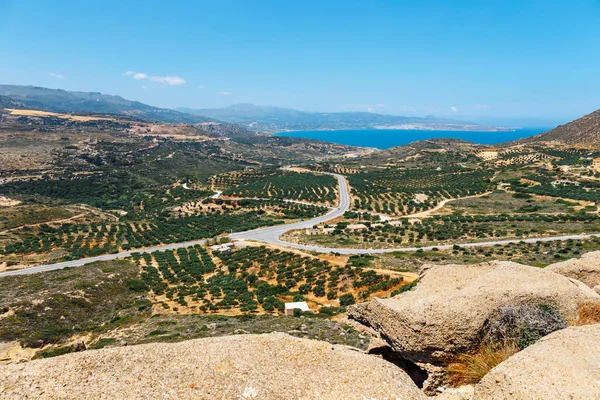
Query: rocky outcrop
x,y
563,365
449,310
585,269
272,366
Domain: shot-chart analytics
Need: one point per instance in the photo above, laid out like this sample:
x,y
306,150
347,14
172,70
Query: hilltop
x,y
277,119
583,132
61,101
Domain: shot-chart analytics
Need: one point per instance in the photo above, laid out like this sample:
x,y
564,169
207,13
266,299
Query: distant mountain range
x,y
256,118
583,132
58,100
277,119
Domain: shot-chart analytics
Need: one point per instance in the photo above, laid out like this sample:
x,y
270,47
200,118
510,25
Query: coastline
x,y
382,139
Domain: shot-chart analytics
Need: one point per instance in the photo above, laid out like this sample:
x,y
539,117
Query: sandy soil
x,y
6,202
36,113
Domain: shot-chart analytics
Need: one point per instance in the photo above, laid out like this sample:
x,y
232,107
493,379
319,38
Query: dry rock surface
x,y
585,269
271,366
446,314
562,365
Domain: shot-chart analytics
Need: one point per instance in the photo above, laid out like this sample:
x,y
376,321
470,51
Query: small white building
x,y
564,182
223,247
357,227
319,230
290,307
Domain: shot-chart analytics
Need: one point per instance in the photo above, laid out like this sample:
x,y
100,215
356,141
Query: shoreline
x,y
383,139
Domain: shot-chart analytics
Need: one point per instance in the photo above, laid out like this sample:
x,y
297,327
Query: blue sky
x,y
479,59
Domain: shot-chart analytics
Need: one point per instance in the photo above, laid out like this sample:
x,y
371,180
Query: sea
x,y
386,138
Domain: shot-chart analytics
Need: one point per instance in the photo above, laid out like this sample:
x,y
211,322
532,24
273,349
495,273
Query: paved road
x,y
104,257
272,234
269,235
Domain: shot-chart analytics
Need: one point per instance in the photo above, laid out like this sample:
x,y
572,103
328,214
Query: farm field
x,y
73,241
536,254
257,279
108,304
397,192
502,202
450,229
278,208
579,188
279,185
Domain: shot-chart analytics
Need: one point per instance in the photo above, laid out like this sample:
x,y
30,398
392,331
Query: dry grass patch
x,y
471,368
589,313
36,113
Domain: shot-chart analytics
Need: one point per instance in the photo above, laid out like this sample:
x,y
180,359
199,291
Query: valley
x,y
115,230
316,200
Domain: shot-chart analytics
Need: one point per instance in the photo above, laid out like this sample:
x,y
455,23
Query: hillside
x,y
276,119
58,100
584,132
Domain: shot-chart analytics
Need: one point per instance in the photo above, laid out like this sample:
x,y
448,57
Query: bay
x,y
386,138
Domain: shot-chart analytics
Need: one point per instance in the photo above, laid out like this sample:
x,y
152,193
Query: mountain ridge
x,y
59,100
276,119
584,132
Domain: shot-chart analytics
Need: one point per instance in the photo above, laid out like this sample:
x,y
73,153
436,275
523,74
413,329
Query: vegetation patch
x,y
257,279
279,185
395,191
52,307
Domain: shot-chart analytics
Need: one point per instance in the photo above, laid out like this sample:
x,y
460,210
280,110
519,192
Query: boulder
x,y
460,393
452,306
562,365
270,366
585,269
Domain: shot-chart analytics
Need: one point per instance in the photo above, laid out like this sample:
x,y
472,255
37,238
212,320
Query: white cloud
x,y
225,93
168,80
453,109
201,87
171,80
57,76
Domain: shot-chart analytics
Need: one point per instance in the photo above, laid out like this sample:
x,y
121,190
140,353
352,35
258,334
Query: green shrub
x,y
158,332
137,285
347,299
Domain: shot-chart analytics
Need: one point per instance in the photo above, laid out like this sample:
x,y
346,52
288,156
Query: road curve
x,y
269,235
272,234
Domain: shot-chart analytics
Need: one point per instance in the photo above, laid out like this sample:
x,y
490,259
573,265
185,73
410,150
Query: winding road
x,y
272,234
